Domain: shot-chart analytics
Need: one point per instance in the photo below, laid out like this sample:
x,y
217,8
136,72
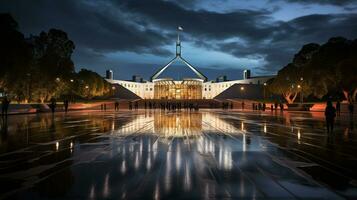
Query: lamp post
x,y
265,84
301,91
28,86
242,90
113,90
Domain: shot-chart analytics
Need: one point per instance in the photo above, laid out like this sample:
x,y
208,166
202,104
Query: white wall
x,y
209,89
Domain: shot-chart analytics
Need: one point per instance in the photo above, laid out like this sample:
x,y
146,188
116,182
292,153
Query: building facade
x,y
187,88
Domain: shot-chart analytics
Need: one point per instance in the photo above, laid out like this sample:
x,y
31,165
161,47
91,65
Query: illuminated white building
x,y
187,88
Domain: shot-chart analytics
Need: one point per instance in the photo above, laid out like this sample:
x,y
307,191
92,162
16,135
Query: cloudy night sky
x,y
219,37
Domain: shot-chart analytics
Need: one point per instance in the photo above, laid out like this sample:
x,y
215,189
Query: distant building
x,y
109,75
186,88
246,74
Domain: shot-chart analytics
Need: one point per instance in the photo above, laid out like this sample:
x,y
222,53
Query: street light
x,y
242,88
265,84
301,91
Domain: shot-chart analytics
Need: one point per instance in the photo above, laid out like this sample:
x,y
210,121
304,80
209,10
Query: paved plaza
x,y
206,154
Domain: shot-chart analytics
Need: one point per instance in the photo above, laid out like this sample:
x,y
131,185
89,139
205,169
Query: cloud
x,y
146,28
324,2
93,25
167,15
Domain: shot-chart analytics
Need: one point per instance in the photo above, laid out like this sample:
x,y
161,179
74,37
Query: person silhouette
x,y
330,114
116,106
66,103
351,109
338,107
5,106
53,105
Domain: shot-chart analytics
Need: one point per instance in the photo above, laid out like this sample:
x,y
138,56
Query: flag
x,y
180,28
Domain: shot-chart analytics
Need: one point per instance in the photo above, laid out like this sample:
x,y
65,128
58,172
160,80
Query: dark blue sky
x,y
219,37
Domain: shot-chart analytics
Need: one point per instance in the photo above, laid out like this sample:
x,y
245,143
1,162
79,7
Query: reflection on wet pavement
x,y
170,155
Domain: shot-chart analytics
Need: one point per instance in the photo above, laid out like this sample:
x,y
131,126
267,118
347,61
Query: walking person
x,y
5,106
338,107
351,109
330,114
116,106
276,105
53,105
66,103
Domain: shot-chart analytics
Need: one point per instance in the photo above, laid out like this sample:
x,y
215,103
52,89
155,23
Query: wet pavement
x,y
210,154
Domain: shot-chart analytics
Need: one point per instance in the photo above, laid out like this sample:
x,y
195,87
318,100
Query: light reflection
x,y
244,146
136,163
71,146
123,167
168,172
92,192
178,158
180,124
148,162
265,128
106,186
157,191
187,178
57,146
113,125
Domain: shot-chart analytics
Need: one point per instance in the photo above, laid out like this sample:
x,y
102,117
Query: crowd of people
x,y
165,105
331,111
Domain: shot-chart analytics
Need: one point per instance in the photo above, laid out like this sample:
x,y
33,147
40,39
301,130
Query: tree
x,y
89,84
290,79
333,67
52,64
15,56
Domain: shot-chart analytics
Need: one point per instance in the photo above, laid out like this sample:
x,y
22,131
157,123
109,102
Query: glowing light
x,y
157,191
242,88
57,146
244,146
123,167
106,186
92,192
